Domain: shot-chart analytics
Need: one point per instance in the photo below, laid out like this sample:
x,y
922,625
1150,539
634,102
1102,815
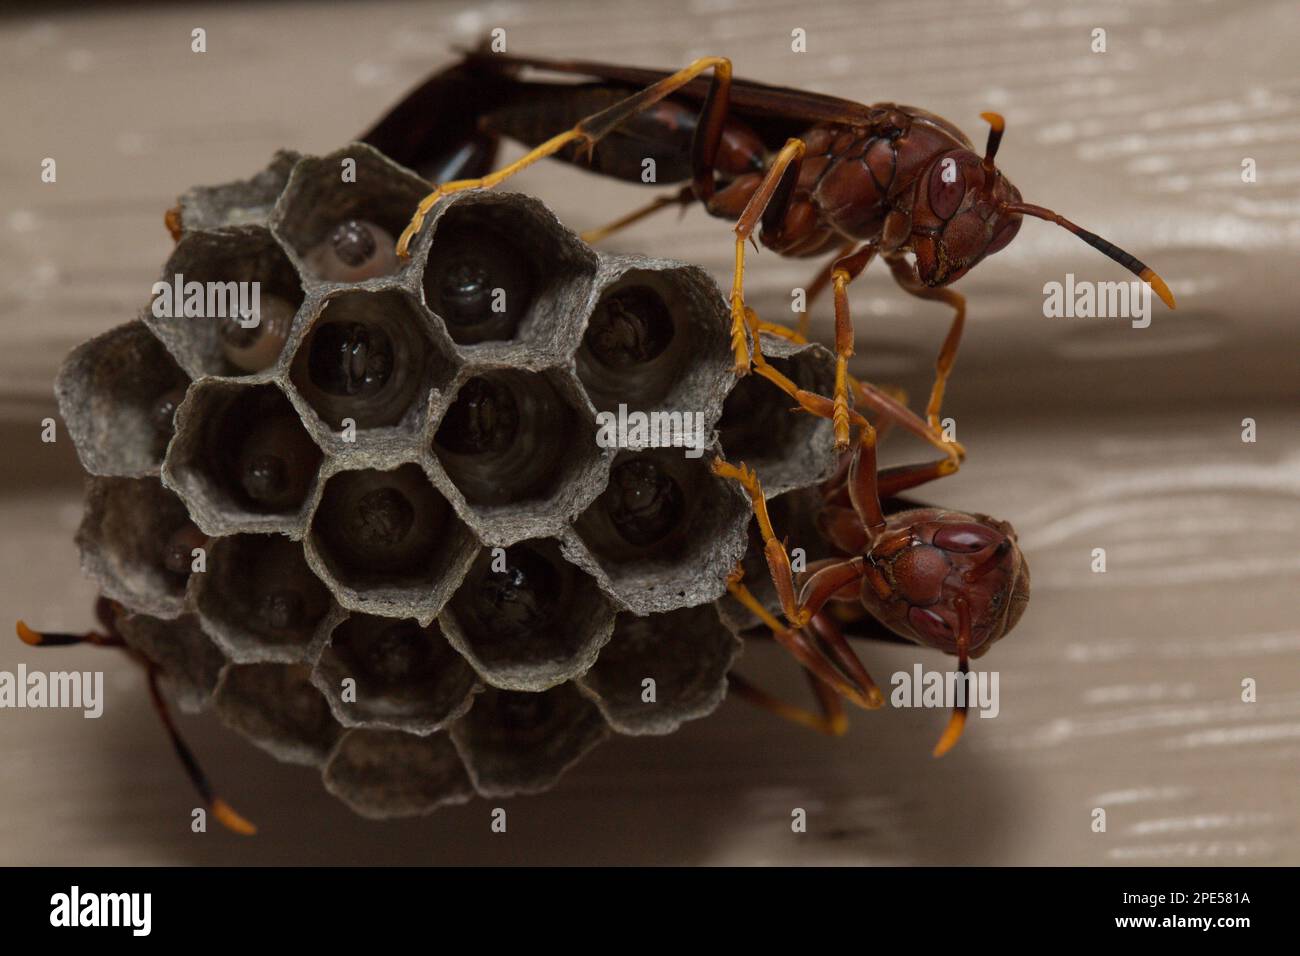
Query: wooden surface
x,y
1119,690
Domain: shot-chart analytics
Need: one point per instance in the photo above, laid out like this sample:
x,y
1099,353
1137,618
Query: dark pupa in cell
x,y
521,597
634,350
519,592
178,549
479,283
354,250
274,464
282,609
364,359
484,418
649,509
350,358
395,653
504,438
630,327
644,502
258,347
262,584
381,522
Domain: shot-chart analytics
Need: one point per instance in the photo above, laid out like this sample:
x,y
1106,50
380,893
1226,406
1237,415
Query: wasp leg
x,y
683,197
799,645
592,129
831,720
907,279
223,811
845,271
784,169
820,283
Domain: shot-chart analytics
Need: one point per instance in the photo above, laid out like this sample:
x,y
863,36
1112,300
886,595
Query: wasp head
x,y
944,578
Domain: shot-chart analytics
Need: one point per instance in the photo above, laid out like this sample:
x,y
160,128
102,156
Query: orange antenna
x,y
957,722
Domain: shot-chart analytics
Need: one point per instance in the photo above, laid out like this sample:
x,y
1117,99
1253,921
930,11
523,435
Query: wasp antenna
x,y
223,811
997,126
957,722
36,638
1108,249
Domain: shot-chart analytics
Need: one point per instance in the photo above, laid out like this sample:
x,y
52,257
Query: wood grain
x,y
1120,690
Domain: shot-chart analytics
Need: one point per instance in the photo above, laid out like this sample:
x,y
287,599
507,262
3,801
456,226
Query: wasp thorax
x,y
381,521
643,501
354,250
479,283
255,348
628,328
520,598
484,418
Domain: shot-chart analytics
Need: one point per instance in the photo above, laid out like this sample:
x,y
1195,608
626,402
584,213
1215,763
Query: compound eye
x,y
966,538
929,624
947,187
1004,236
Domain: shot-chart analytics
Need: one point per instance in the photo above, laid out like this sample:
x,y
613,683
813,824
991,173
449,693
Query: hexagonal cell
x,y
210,281
515,742
243,202
664,533
345,230
786,449
383,774
260,602
388,542
687,654
520,448
118,393
505,278
526,619
136,540
188,662
369,357
407,677
276,707
242,459
658,338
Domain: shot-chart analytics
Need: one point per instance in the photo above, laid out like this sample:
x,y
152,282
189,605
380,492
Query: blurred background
x,y
1120,690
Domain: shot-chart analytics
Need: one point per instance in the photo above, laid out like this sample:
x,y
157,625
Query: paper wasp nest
x,y
422,573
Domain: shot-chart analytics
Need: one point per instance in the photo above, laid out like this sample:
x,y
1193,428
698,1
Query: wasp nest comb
x,y
358,504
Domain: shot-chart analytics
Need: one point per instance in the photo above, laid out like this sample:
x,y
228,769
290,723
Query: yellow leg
x,y
593,236
588,132
791,153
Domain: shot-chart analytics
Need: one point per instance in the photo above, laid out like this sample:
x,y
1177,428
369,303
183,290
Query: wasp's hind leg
x,y
589,131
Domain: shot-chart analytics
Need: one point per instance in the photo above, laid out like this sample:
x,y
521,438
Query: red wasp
x,y
945,579
810,174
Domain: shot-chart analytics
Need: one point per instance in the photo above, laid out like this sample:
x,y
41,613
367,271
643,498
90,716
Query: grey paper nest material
x,y
376,531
